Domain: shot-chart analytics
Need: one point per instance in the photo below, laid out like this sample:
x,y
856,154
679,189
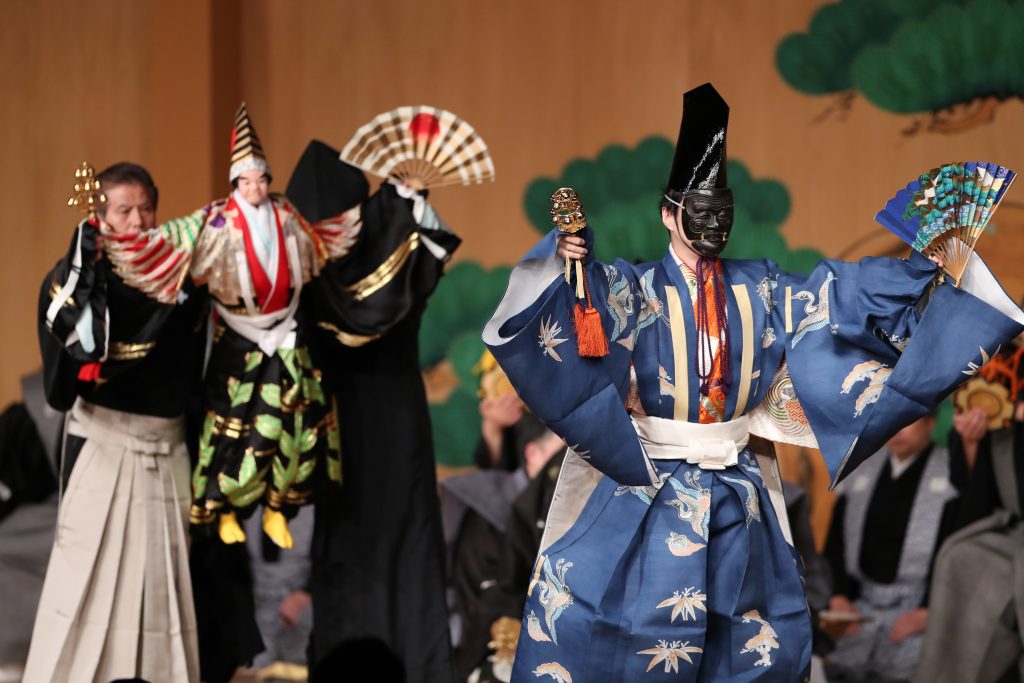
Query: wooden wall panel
x,y
103,81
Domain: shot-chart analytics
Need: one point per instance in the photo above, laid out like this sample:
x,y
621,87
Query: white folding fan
x,y
422,147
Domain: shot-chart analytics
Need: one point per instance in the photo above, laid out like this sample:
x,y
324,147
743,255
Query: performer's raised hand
x,y
971,426
571,246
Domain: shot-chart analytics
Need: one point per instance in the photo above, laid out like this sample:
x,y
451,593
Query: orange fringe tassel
x,y
590,337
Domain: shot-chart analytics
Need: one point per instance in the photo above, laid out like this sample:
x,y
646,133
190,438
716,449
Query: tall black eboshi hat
x,y
700,160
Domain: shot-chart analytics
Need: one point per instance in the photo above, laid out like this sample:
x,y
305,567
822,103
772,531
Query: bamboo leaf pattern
x,y
312,391
271,395
333,432
291,397
280,474
253,360
239,393
334,469
269,427
199,478
308,440
287,445
243,494
305,470
248,468
288,357
243,395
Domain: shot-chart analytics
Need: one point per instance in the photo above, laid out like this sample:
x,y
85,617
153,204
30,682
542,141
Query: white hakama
x,y
117,600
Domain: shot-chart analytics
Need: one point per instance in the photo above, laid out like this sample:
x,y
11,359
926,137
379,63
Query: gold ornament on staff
x,y
567,215
87,196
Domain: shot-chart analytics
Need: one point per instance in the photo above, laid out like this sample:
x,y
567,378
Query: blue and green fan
x,y
944,212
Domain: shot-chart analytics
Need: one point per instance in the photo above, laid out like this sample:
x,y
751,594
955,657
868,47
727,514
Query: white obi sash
x,y
712,446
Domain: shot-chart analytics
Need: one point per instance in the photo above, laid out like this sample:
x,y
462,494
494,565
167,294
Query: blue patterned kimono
x,y
658,569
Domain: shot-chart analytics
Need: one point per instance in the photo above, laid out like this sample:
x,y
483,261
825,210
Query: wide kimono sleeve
x,y
72,317
394,254
581,399
874,345
157,262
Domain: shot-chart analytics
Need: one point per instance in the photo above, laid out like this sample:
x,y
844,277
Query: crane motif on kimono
x,y
645,493
692,503
751,504
620,301
534,629
554,596
817,313
878,373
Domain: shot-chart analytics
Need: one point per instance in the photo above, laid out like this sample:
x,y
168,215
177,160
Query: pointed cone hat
x,y
700,160
246,150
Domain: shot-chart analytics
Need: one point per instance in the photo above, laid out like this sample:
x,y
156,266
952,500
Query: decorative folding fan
x,y
944,212
422,147
995,389
991,397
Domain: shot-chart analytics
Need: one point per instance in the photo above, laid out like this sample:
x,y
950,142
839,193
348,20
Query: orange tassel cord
x,y
567,215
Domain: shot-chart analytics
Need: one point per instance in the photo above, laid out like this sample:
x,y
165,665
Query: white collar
x,y
897,467
260,220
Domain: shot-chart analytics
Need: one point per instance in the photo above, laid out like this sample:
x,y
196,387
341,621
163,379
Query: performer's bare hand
x,y
293,606
936,260
971,426
841,603
571,246
909,624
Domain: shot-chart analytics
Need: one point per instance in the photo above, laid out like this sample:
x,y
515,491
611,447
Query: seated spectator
x,y
475,510
29,434
491,633
889,520
977,592
500,410
283,605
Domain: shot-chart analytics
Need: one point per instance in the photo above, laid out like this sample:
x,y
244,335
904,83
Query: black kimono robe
x,y
377,579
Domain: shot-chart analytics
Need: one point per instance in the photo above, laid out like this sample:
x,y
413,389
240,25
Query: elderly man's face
x,y
129,209
253,186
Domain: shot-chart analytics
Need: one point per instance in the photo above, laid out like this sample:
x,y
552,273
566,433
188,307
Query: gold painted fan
x,y
995,389
991,397
421,147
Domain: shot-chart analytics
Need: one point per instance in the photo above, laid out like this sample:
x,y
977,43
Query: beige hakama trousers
x,y
117,599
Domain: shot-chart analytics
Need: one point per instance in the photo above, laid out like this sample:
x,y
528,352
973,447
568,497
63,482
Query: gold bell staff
x,y
567,214
88,196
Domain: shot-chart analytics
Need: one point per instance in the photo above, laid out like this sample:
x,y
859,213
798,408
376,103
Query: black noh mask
x,y
698,174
